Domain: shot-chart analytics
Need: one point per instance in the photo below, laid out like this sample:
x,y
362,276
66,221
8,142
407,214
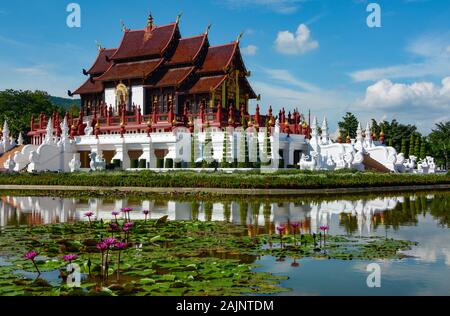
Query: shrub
x,y
168,164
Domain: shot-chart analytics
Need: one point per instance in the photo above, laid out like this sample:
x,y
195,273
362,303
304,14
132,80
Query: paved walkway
x,y
218,191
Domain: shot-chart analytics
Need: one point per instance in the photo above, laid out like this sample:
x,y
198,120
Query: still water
x,y
423,218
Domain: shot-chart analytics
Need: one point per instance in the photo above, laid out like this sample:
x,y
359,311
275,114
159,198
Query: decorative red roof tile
x,y
101,64
146,42
188,50
133,70
90,87
206,84
174,77
219,58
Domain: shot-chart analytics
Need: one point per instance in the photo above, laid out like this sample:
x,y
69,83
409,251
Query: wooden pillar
x,y
224,94
237,90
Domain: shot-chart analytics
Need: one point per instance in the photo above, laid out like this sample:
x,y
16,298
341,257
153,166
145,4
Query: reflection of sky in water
x,y
422,218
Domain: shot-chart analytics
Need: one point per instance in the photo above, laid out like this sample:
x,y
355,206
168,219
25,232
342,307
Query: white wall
x,y
110,98
137,96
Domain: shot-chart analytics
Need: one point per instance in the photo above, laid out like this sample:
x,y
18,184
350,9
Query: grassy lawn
x,y
241,180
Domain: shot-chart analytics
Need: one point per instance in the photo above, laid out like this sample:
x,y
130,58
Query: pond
x,y
420,217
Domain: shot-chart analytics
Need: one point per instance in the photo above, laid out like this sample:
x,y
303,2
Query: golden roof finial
x,y
150,21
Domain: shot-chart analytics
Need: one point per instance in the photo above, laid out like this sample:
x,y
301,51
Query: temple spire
x,y
179,17
208,28
150,21
239,37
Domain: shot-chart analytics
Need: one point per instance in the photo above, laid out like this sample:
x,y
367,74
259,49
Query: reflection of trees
x,y
267,212
403,214
208,211
195,207
227,212
349,222
440,209
243,209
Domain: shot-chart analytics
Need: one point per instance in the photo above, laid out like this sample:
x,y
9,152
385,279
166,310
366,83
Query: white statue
x,y
325,136
309,163
9,164
88,131
75,164
423,166
431,164
20,140
410,164
97,163
49,133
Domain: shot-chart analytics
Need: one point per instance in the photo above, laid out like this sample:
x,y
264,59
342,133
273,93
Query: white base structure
x,y
151,151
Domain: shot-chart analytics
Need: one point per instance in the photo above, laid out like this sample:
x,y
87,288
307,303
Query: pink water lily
x,y
324,228
109,241
102,246
281,230
70,257
89,215
32,256
120,245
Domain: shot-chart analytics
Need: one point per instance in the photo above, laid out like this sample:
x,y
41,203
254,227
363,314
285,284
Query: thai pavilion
x,y
158,71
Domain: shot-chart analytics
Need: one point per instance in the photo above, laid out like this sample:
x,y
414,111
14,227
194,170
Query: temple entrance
x,y
134,158
85,160
108,156
160,155
297,156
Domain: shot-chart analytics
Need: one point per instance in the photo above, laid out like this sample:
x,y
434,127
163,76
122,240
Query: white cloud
x,y
385,94
434,52
279,6
296,44
250,50
285,76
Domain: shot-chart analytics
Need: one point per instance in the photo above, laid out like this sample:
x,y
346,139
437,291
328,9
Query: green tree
x,y
440,143
397,132
348,125
423,148
417,147
411,146
17,107
403,148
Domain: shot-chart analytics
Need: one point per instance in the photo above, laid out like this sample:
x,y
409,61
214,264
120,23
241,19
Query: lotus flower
x,y
126,210
114,227
120,245
109,241
89,215
281,229
115,213
102,246
324,228
128,225
146,212
70,257
295,226
31,256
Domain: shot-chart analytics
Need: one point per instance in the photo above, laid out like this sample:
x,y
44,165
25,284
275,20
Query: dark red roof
x,y
206,84
174,77
101,64
90,87
188,50
219,58
146,42
133,70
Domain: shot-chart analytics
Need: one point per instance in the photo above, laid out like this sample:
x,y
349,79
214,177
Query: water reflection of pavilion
x,y
45,210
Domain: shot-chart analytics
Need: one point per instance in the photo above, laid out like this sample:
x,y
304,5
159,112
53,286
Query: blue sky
x,y
317,55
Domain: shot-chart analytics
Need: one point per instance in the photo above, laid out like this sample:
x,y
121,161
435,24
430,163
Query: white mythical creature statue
x,y
431,164
309,163
97,162
9,164
423,166
410,164
331,165
75,164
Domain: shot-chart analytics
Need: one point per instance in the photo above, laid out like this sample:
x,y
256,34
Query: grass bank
x,y
239,180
